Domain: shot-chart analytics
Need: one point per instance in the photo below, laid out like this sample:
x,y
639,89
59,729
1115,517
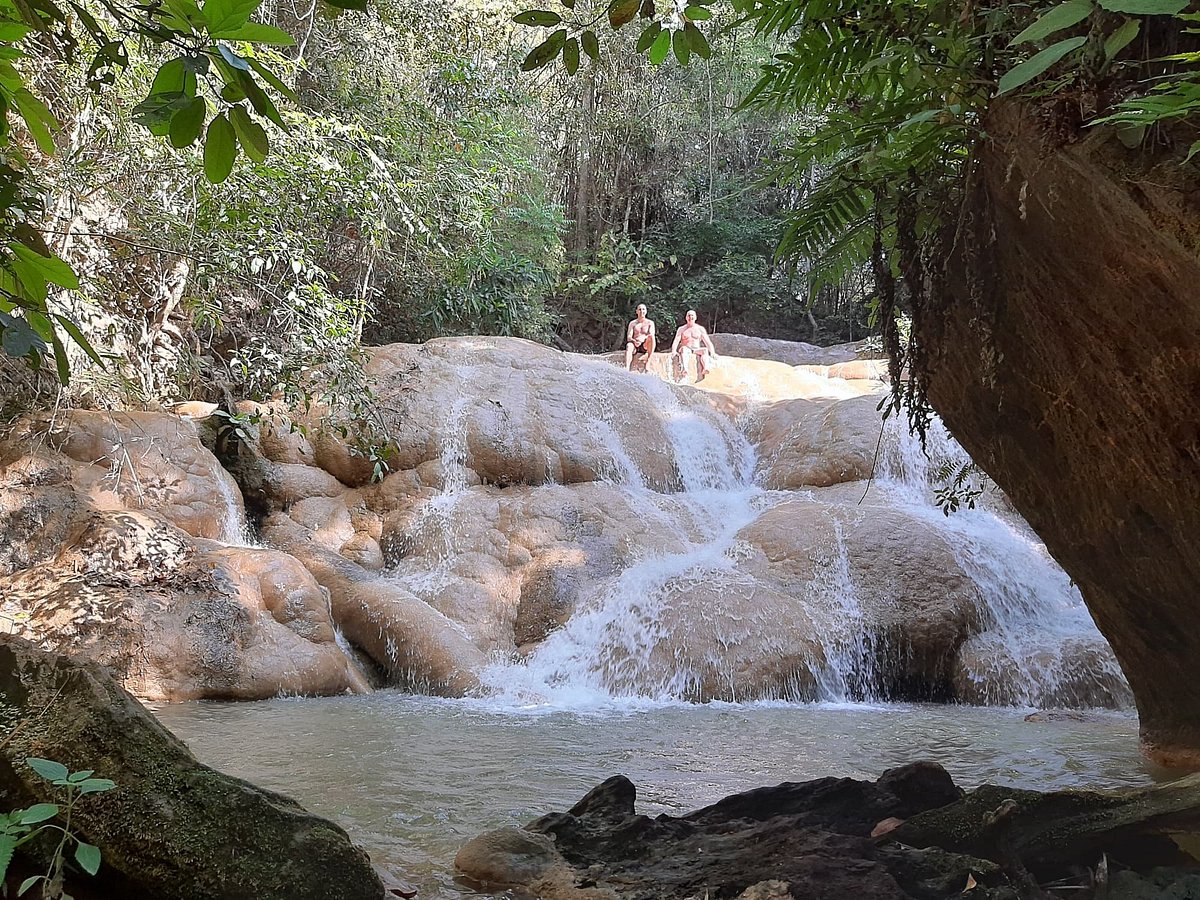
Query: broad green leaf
x,y
570,54
591,46
263,105
39,812
648,36
697,41
82,775
96,785
13,31
661,47
157,111
538,17
545,51
272,79
183,15
40,324
169,79
1037,64
1145,7
88,857
696,14
54,269
622,11
187,123
1195,148
61,364
679,43
251,135
1121,38
48,768
360,5
225,15
32,281
28,883
79,338
38,119
1062,16
220,149
258,33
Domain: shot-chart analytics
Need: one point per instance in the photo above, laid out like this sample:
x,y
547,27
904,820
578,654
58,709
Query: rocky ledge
x,y
910,834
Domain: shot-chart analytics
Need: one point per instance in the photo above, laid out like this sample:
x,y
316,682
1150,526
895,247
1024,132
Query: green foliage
x,y
196,39
21,826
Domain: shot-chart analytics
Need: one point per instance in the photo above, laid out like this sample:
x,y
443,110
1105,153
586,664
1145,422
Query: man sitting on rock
x,y
639,339
692,339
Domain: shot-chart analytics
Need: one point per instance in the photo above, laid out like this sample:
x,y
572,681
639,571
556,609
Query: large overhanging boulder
x,y
1067,361
171,827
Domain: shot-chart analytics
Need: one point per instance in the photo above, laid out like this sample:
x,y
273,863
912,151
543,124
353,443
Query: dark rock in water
x,y
796,840
811,841
172,828
1050,831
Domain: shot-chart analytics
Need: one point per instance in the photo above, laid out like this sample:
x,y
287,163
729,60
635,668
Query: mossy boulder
x,y
172,827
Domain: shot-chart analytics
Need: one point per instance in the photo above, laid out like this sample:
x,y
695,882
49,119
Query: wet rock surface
x,y
824,839
795,840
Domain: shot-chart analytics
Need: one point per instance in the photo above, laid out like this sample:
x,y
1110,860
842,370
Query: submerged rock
x,y
171,827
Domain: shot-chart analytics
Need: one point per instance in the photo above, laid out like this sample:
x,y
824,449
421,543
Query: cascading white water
x,y
606,650
626,640
235,529
1034,617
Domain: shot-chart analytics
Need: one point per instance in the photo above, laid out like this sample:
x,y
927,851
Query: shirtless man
x,y
639,339
694,339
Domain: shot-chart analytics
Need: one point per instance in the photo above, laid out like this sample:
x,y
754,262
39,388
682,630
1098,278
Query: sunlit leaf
x,y
661,47
648,36
679,43
225,15
257,33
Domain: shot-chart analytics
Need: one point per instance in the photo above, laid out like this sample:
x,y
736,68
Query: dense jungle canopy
x,y
219,197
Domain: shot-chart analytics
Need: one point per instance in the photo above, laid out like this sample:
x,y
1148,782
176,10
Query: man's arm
x,y
675,343
708,341
652,332
629,332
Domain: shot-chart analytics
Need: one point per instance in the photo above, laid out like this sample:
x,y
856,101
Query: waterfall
x,y
1039,645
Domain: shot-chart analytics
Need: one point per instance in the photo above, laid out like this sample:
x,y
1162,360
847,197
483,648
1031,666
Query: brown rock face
x,y
1071,373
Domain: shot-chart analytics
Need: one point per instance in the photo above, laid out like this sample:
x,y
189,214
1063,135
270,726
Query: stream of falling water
x,y
1033,616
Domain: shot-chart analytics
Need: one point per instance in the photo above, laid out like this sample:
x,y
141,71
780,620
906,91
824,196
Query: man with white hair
x,y
639,339
692,339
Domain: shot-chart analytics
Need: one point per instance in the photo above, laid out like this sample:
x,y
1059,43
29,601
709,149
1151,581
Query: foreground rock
x,y
796,840
911,834
1067,363
172,827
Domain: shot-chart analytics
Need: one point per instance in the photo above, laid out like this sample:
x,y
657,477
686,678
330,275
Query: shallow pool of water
x,y
413,778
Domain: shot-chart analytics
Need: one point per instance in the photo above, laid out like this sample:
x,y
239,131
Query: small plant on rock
x,y
23,825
